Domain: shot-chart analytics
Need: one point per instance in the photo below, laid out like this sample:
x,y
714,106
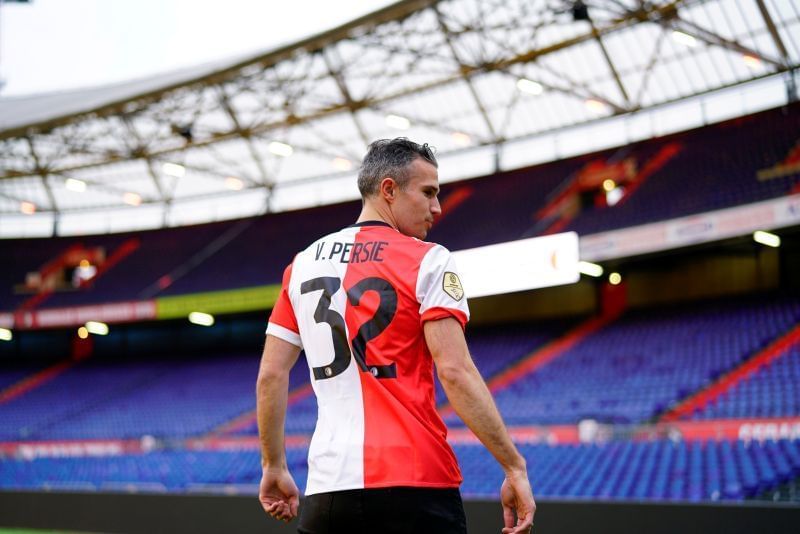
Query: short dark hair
x,y
390,157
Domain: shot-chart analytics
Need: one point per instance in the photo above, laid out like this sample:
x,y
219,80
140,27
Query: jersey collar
x,y
370,223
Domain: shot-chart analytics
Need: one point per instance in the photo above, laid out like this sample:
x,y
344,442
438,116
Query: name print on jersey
x,y
351,252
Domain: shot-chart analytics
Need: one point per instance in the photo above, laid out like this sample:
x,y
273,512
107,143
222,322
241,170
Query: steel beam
x,y
610,64
140,151
43,173
709,37
465,69
773,31
246,136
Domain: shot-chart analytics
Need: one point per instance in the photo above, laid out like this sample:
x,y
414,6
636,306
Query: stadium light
x,y
73,184
97,328
596,106
173,169
342,164
461,139
529,86
132,199
684,38
614,279
398,122
83,333
233,183
281,149
614,196
28,208
6,335
767,239
202,319
590,269
752,62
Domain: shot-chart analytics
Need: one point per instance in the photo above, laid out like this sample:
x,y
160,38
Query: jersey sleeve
x,y
283,322
439,290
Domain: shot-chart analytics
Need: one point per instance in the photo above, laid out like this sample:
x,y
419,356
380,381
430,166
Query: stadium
x,y
620,186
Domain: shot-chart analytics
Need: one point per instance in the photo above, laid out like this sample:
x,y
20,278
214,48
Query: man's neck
x,y
372,213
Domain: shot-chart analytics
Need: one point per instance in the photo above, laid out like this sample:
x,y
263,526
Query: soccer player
x,y
374,307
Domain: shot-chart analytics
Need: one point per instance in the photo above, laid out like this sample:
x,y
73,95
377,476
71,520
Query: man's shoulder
x,y
432,247
422,251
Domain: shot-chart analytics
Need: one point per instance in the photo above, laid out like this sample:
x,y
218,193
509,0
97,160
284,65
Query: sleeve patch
x,y
451,284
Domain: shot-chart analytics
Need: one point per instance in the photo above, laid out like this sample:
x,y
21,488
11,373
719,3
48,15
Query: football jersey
x,y
356,301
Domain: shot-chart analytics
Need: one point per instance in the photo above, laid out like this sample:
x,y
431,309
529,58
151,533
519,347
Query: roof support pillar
x,y
791,86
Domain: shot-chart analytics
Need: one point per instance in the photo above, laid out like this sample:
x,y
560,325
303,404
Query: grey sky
x,y
49,45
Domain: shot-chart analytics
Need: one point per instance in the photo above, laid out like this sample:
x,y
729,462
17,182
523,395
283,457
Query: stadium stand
x,y
714,167
717,167
627,372
635,368
169,398
493,349
13,374
655,470
658,470
772,392
130,399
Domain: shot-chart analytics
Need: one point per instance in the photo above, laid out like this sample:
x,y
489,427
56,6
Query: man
x,y
374,307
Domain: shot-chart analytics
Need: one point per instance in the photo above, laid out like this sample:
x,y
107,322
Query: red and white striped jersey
x,y
356,301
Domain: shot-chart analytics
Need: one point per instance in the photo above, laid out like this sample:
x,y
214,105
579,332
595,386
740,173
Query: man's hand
x,y
278,494
517,497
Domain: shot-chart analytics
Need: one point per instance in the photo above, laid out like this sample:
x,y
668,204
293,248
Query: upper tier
x,y
691,172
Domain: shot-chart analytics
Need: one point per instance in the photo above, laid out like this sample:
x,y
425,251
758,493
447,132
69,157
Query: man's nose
x,y
436,208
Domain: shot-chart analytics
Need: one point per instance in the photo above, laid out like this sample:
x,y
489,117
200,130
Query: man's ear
x,y
388,189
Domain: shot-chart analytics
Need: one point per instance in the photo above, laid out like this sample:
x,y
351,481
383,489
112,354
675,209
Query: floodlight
x,y
684,38
97,328
342,164
529,86
173,169
132,199
280,149
233,183
73,184
590,269
767,239
202,319
396,121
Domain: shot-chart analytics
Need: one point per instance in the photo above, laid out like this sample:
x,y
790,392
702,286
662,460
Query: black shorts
x,y
384,510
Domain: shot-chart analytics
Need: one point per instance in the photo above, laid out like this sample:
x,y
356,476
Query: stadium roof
x,y
246,135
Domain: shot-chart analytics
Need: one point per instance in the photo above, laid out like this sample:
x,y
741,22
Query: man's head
x,y
398,178
390,157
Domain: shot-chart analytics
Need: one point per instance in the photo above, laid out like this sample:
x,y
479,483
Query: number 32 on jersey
x,y
384,313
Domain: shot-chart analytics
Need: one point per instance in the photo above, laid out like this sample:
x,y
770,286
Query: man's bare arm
x,y
472,401
278,493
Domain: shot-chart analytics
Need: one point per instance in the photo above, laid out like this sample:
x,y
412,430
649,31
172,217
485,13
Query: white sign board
x,y
702,228
519,265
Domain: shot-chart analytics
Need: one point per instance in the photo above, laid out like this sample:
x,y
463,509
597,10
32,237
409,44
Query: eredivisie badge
x,y
452,286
